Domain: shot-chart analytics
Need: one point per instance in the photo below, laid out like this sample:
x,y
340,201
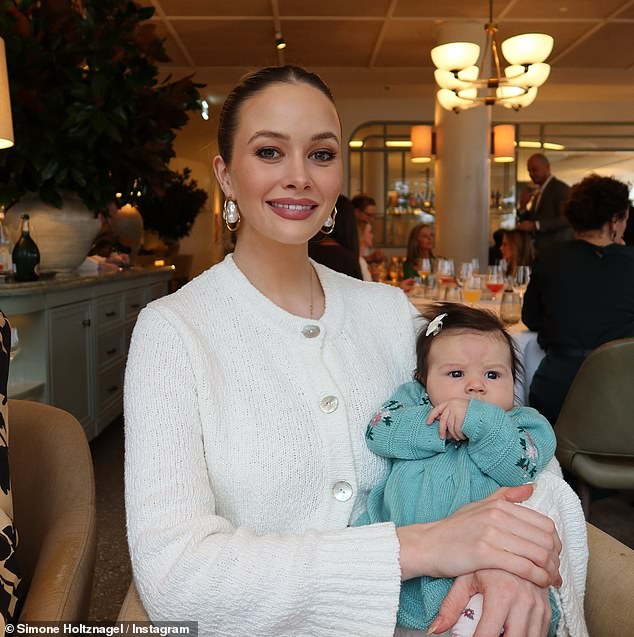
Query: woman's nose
x,y
298,175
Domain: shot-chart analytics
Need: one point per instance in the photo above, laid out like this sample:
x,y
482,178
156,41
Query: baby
x,y
455,436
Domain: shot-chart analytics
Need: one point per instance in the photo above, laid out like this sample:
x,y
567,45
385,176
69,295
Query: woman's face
x,y
285,173
425,239
367,236
506,249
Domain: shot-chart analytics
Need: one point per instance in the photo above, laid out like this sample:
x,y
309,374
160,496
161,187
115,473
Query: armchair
x,y
54,511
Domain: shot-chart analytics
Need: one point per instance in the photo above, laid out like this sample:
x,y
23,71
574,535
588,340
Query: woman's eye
x,y
492,375
268,153
456,373
323,155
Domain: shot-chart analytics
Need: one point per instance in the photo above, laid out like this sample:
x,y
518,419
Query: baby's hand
x,y
450,416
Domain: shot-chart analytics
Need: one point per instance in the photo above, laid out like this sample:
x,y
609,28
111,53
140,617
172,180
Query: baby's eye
x,y
492,375
323,155
456,373
268,153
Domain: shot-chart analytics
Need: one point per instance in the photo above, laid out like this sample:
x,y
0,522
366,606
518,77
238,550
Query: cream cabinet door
x,y
71,362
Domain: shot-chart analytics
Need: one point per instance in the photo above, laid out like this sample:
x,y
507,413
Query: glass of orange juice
x,y
472,290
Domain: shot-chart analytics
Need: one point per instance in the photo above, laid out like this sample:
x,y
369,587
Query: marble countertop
x,y
67,280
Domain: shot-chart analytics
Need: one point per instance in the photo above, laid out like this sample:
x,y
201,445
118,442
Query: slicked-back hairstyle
x,y
461,318
250,85
596,200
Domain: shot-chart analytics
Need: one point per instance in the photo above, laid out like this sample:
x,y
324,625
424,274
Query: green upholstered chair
x,y
595,428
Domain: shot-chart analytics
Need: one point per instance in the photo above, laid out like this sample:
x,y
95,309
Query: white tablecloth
x,y
530,352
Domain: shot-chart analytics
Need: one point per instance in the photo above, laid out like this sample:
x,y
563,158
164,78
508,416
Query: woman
x,y
419,246
339,250
581,292
366,243
516,249
246,397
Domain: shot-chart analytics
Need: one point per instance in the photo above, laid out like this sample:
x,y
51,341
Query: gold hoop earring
x,y
329,224
231,215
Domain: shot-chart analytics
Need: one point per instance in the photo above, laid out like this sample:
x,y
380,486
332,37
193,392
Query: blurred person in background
x,y
366,243
365,210
581,292
516,249
339,250
420,245
544,217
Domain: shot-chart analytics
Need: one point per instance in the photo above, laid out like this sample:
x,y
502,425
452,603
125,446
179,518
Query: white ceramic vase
x,y
63,236
127,226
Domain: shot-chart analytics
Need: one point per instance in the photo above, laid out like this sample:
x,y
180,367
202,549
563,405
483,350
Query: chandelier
x,y
459,65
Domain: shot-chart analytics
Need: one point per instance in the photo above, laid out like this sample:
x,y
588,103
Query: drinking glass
x,y
465,272
424,268
475,265
495,280
445,271
521,278
511,307
472,290
15,343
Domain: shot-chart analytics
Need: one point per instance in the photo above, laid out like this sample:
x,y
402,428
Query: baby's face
x,y
470,365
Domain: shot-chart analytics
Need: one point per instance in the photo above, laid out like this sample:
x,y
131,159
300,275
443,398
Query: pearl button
x,y
342,491
310,331
328,404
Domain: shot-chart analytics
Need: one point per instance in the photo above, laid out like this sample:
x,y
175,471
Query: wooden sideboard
x,y
74,332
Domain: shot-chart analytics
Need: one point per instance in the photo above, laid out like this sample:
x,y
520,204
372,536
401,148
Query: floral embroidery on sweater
x,y
528,461
383,415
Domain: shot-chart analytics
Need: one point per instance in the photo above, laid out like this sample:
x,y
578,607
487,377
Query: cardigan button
x,y
342,491
310,331
328,404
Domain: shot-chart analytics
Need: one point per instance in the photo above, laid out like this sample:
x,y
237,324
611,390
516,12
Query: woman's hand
x,y
510,602
493,533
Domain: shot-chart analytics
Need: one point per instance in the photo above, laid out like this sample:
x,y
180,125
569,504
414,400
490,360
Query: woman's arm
x,y
399,428
511,447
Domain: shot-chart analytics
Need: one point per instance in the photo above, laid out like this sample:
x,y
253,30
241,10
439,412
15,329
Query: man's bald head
x,y
538,168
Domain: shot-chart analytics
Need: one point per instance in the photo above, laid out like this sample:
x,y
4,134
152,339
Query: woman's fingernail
x,y
432,627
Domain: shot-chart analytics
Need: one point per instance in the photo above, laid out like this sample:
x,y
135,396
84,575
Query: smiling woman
x,y
243,476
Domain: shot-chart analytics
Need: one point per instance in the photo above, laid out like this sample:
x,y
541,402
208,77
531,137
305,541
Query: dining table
x,y
529,349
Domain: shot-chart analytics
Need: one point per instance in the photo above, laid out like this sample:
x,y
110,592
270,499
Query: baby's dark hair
x,y
461,317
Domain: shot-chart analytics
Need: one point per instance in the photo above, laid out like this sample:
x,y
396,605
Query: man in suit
x,y
544,216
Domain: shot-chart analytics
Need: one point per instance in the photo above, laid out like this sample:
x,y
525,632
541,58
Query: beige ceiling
x,y
360,46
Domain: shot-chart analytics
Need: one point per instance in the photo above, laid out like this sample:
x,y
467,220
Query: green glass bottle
x,y
26,255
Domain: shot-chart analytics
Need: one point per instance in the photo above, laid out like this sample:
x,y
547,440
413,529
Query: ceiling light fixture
x,y
459,65
280,42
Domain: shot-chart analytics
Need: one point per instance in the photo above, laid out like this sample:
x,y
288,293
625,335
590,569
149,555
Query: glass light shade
x,y
470,74
504,143
468,93
450,101
6,123
421,143
536,75
523,100
527,48
506,92
454,56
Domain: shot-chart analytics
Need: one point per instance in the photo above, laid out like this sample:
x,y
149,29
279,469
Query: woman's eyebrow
x,y
277,135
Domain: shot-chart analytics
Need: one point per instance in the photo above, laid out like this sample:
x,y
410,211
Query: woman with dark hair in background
x,y
581,292
339,250
420,245
516,249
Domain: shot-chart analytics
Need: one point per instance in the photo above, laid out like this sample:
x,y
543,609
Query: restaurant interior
x,y
376,57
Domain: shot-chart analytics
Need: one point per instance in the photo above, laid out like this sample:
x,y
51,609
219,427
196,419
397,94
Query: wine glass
x,y
521,278
472,290
475,265
15,343
495,280
445,271
423,267
465,272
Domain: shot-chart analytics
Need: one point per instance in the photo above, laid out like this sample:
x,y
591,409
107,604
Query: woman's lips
x,y
295,210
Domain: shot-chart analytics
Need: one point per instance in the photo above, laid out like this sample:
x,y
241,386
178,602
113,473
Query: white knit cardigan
x,y
237,465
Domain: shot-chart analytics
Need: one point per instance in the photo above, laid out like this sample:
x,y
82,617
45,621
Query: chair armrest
x,y
62,582
608,602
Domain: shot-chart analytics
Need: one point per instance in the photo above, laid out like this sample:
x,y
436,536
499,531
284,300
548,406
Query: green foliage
x,y
172,213
89,112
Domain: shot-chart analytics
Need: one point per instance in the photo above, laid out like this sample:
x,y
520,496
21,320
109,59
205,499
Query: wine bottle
x,y
26,255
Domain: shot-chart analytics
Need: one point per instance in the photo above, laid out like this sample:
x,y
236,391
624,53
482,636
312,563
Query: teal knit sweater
x,y
431,478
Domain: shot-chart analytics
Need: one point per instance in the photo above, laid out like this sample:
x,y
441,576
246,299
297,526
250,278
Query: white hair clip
x,y
435,325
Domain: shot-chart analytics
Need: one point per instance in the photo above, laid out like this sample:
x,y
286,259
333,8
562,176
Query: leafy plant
x,y
172,213
89,113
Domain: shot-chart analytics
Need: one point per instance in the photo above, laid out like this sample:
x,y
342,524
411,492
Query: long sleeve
x,y
399,428
550,210
511,447
532,306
